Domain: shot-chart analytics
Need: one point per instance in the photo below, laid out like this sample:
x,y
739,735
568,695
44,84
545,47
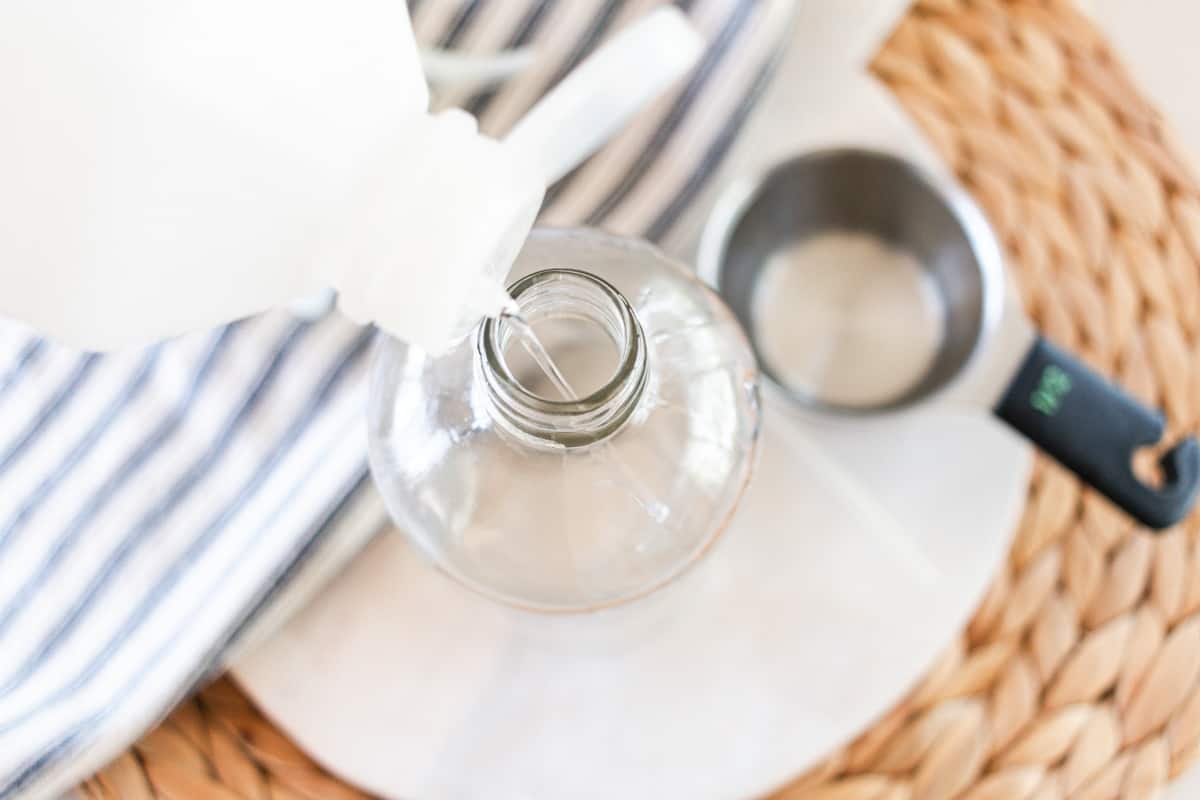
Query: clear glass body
x,y
570,503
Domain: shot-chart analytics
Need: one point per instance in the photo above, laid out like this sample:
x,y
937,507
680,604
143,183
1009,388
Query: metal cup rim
x,y
736,199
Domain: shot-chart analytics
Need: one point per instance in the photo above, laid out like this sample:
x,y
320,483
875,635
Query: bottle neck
x,y
580,420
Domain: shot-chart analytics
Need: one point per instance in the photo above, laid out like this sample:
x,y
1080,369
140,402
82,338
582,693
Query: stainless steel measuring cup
x,y
1070,412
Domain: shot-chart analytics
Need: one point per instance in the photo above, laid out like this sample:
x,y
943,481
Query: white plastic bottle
x,y
173,166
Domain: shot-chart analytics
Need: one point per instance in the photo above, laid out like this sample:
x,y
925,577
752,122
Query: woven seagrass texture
x,y
1079,675
216,746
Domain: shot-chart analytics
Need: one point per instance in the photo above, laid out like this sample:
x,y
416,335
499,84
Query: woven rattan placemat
x,y
1079,675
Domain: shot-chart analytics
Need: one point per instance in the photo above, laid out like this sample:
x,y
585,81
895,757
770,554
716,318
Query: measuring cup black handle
x,y
1092,428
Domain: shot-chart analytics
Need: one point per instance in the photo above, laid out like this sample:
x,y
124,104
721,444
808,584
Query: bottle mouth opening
x,y
590,333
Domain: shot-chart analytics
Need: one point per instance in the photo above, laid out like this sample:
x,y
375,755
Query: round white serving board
x,y
857,554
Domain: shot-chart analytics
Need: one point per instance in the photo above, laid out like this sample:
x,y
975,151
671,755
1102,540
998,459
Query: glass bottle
x,y
576,502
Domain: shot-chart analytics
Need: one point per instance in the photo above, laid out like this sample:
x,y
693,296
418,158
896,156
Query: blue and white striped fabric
x,y
155,503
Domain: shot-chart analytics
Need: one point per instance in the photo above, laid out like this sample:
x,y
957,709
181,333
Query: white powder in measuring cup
x,y
847,319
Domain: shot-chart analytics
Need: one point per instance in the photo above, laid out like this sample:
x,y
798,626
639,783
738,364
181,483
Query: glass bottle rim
x,y
591,418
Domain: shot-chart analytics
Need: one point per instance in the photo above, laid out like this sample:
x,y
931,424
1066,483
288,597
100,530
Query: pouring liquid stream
x,y
527,337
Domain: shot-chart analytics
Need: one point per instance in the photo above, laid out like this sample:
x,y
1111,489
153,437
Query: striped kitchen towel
x,y
157,505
